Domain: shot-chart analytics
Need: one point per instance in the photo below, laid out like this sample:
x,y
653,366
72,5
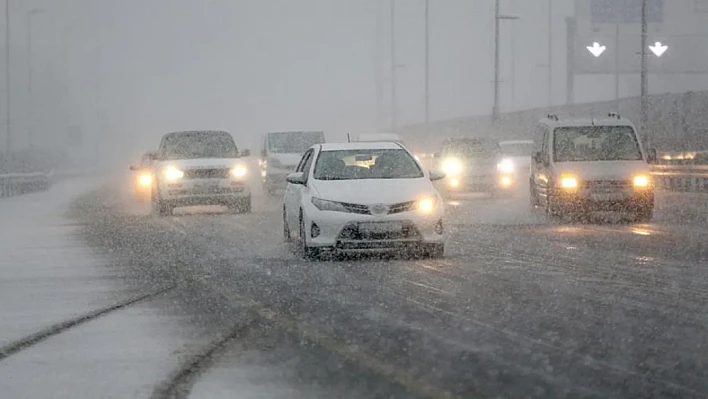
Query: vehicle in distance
x,y
584,165
475,165
281,152
142,180
519,153
360,197
200,168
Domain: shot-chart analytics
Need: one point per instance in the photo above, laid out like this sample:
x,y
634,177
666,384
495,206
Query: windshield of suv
x,y
366,164
595,143
194,145
472,148
293,142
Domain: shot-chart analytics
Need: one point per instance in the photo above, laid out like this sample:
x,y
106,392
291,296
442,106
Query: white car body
x,y
371,203
200,181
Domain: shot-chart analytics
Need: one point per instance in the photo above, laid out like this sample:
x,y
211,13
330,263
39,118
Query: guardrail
x,y
686,178
12,184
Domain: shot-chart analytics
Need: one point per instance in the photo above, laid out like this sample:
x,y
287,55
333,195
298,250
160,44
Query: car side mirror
x,y
153,156
652,155
436,155
133,168
436,174
540,158
246,153
296,178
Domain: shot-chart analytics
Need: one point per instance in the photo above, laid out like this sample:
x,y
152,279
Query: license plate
x,y
380,228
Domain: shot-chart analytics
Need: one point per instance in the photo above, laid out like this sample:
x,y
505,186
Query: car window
x,y
366,164
595,143
472,148
293,142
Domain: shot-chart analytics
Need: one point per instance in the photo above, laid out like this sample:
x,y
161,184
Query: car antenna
x,y
349,138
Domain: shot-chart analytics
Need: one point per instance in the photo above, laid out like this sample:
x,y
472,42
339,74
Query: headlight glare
x,y
506,166
426,204
325,205
172,173
568,182
239,171
452,166
145,179
641,181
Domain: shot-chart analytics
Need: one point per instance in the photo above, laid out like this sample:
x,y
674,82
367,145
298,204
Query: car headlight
x,y
172,173
506,166
452,166
239,171
641,181
145,179
569,182
325,205
426,204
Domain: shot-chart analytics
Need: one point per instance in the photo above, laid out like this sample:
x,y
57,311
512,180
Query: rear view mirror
x,y
538,157
296,178
246,153
436,155
652,155
153,156
436,174
133,168
364,158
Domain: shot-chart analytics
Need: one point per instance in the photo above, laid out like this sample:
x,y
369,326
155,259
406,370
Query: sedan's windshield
x,y
194,145
595,143
293,142
366,164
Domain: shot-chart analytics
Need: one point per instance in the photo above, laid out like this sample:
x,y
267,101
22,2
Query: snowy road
x,y
520,307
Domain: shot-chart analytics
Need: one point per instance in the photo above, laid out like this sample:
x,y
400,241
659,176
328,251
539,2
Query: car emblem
x,y
378,209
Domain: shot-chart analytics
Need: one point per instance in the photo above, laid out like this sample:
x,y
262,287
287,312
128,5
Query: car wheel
x,y
434,251
160,207
645,215
306,251
286,229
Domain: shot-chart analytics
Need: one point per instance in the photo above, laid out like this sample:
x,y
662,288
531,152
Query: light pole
x,y
8,123
394,104
427,61
497,17
644,106
30,125
550,53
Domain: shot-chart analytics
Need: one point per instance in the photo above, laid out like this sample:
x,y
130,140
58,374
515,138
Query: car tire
x,y
306,251
645,215
434,251
286,229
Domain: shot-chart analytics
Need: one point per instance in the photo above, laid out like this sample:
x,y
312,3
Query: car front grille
x,y
403,231
206,173
392,209
606,185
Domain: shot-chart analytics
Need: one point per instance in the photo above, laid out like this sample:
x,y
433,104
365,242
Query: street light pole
x,y
644,95
30,98
427,61
8,89
495,108
393,66
550,53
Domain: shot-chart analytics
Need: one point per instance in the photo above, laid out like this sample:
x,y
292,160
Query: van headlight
x,y
568,182
641,181
172,173
506,166
145,179
426,205
452,166
239,171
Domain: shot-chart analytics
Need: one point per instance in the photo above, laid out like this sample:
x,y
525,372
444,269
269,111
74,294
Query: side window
x,y
303,161
546,152
308,165
538,139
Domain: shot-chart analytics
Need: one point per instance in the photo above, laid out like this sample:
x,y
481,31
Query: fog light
x,y
145,180
439,227
454,182
314,230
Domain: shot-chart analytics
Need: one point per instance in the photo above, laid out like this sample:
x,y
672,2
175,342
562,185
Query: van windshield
x,y
472,148
293,142
595,143
194,145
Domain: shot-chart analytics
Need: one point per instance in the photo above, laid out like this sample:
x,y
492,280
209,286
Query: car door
x,y
292,192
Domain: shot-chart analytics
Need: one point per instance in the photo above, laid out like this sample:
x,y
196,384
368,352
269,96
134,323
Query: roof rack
x,y
552,117
615,115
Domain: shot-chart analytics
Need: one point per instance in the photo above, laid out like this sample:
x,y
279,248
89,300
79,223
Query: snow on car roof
x,y
368,145
588,122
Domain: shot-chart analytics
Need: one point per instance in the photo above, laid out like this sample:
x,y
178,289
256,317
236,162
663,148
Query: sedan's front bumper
x,y
351,232
204,192
628,200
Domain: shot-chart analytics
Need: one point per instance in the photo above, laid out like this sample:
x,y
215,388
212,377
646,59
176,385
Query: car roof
x,y
586,122
197,131
361,145
296,131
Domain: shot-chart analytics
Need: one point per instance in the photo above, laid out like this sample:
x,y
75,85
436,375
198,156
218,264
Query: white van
x,y
281,153
584,165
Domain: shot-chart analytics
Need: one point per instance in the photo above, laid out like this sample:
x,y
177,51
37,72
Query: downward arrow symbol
x,y
596,49
658,49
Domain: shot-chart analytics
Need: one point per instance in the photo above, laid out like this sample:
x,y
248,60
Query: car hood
x,y
373,191
603,170
286,159
202,163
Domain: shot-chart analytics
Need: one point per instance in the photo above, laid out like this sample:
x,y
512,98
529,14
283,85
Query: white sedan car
x,y
350,197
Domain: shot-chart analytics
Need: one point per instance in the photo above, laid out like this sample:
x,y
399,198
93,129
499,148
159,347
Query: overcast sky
x,y
134,69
